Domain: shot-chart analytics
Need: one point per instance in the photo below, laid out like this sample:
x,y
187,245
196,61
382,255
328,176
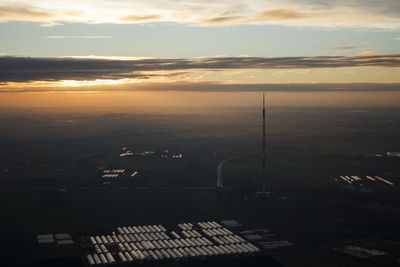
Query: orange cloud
x,y
140,18
282,14
24,13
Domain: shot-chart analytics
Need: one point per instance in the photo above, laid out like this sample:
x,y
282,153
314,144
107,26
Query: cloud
x,y
140,18
260,17
79,37
23,12
348,46
213,87
283,14
223,20
270,87
25,69
364,14
397,38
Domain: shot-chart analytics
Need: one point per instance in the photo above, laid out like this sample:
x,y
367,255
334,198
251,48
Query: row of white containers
x,y
151,242
172,253
127,238
216,231
209,225
159,228
141,229
156,236
171,243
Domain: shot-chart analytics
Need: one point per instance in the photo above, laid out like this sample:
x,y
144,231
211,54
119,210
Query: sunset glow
x,y
119,45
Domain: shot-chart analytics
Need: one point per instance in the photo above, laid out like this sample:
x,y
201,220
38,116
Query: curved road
x,y
219,168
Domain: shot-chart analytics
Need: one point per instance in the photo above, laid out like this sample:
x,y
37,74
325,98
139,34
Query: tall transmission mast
x,y
264,182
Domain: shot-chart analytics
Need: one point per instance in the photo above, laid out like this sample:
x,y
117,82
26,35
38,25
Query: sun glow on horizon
x,y
75,83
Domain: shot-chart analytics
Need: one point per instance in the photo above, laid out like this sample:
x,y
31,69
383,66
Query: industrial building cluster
x,y
153,243
357,180
60,239
112,173
115,173
127,153
263,237
172,156
360,252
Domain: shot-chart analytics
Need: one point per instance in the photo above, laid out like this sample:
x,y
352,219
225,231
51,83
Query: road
x,y
220,183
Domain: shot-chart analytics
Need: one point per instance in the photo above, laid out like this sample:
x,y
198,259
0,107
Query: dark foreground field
x,y
51,165
314,220
306,146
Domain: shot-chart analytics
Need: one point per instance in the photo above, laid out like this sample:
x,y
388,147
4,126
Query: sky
x,y
204,44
